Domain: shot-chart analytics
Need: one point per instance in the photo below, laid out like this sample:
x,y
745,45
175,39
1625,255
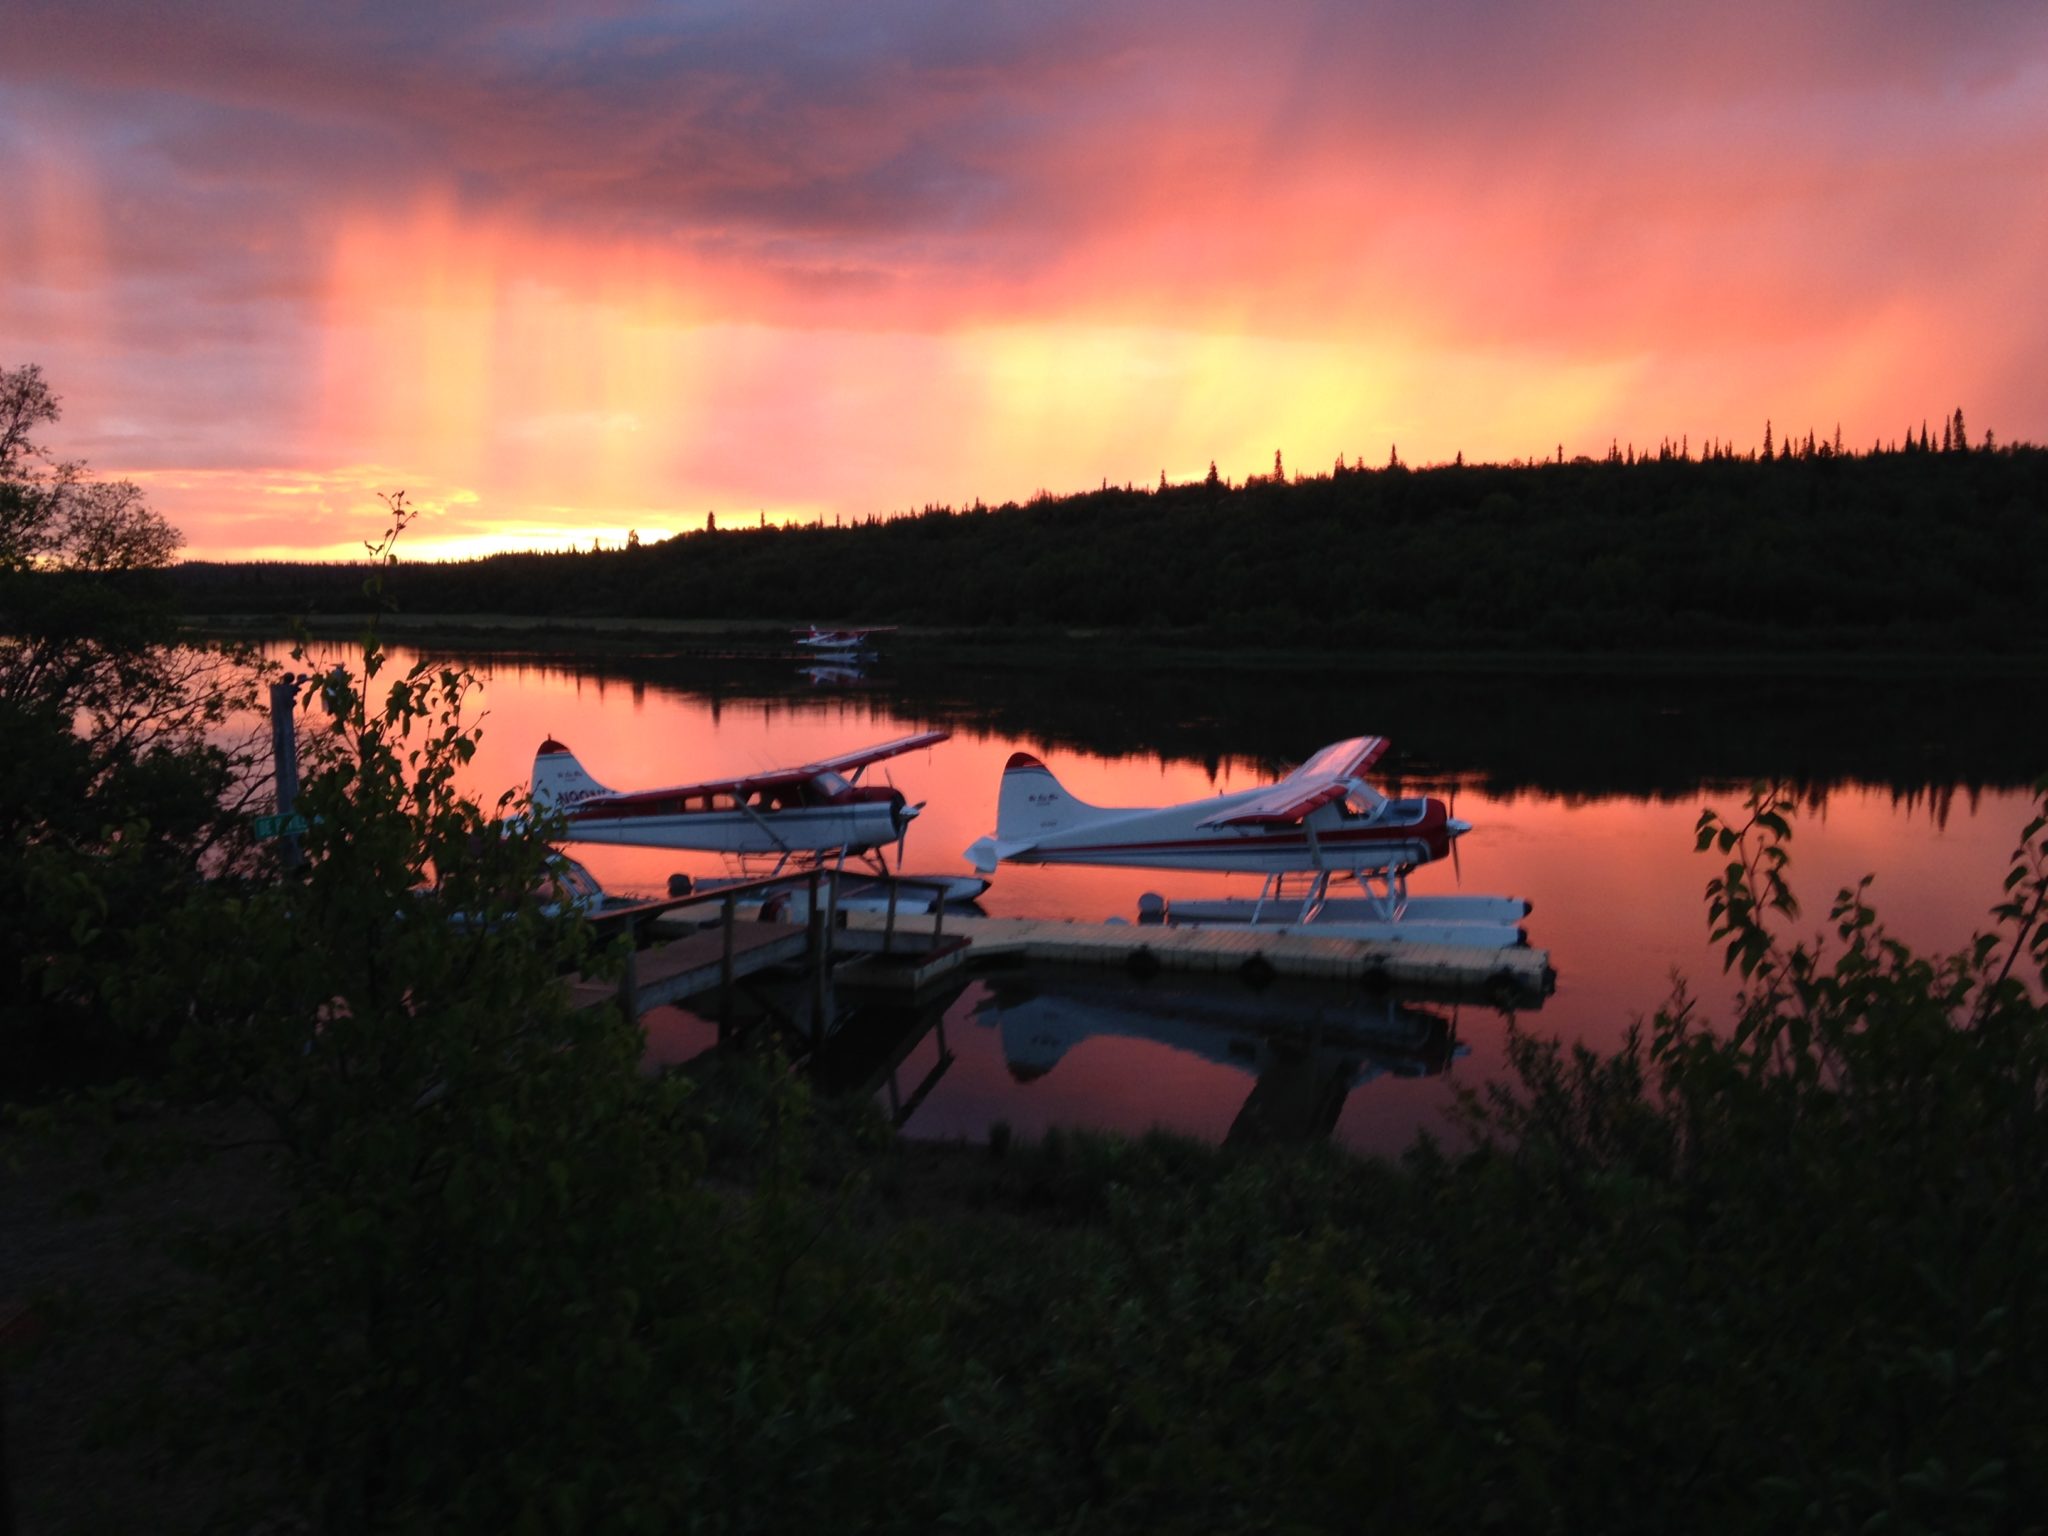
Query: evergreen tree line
x,y
1813,549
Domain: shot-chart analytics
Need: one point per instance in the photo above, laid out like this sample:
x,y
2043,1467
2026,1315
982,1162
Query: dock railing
x,y
821,917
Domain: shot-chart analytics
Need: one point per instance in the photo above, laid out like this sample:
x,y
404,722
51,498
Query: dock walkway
x,y
695,963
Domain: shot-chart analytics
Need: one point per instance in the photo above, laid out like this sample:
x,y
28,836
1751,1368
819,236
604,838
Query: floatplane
x,y
838,642
1320,823
814,813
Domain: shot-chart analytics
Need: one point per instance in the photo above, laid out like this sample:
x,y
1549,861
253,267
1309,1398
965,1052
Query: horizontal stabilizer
x,y
987,852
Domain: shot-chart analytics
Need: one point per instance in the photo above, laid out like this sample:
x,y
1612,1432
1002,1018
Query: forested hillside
x,y
1896,551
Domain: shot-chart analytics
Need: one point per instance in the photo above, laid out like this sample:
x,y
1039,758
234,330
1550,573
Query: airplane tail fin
x,y
1031,805
559,781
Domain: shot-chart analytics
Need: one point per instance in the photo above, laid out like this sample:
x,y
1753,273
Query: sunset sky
x,y
561,270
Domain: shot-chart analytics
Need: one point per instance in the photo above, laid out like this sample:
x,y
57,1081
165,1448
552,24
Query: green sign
x,y
289,825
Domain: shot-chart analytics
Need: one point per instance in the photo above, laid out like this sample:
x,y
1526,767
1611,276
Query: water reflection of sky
x,y
1616,887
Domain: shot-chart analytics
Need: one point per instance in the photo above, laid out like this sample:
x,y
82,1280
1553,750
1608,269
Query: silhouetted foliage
x,y
117,756
1788,1273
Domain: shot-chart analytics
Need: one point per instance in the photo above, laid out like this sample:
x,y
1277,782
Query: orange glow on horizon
x,y
531,395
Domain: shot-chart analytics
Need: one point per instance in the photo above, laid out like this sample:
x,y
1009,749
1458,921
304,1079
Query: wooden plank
x,y
901,971
687,966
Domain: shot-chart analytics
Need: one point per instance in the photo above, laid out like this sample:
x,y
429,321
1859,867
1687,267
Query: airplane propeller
x,y
1457,829
904,817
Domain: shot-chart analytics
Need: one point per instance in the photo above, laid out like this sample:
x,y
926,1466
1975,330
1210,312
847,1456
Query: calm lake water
x,y
1583,792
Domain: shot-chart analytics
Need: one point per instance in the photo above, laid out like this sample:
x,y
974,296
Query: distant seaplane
x,y
838,642
1321,821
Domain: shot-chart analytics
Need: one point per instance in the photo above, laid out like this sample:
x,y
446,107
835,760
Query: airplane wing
x,y
847,762
773,778
1340,760
1319,781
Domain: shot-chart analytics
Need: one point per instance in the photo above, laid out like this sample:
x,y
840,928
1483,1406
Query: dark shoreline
x,y
770,640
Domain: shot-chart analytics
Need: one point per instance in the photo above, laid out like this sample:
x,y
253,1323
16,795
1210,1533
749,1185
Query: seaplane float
x,y
1320,824
813,813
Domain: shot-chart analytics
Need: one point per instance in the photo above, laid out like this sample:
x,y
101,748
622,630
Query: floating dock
x,y
1502,975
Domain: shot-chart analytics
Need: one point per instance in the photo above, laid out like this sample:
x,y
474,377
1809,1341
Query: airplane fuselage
x,y
1403,833
862,818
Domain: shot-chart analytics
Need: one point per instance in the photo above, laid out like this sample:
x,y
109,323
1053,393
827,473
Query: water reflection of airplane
x,y
1321,821
836,675
839,643
1306,1053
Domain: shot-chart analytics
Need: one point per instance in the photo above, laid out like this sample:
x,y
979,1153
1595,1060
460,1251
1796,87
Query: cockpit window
x,y
1363,802
829,786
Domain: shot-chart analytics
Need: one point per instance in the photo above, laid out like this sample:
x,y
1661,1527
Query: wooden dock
x,y
711,940
697,963
1506,975
877,951
905,967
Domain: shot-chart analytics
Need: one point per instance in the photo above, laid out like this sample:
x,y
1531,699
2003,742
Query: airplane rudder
x,y
1032,800
557,775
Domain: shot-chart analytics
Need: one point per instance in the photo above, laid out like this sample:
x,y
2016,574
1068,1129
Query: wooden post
x,y
629,978
819,949
729,909
821,978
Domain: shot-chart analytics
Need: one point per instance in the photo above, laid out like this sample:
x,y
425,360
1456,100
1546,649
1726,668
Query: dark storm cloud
x,y
676,119
921,128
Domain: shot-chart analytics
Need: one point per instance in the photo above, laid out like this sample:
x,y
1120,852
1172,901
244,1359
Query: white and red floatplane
x,y
1319,823
819,807
813,813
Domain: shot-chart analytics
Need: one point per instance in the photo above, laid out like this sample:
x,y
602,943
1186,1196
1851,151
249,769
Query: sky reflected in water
x,y
1616,887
